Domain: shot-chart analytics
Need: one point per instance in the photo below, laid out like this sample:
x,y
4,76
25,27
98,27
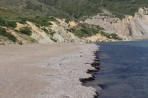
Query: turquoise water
x,y
124,70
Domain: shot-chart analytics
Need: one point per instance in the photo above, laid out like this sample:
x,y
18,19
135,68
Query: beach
x,y
46,70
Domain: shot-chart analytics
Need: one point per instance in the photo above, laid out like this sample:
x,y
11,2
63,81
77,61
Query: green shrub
x,y
67,20
7,23
26,31
39,21
7,34
21,20
42,21
16,30
51,18
115,36
107,35
110,36
45,30
71,30
85,30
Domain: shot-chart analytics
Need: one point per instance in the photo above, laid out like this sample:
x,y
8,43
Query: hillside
x,y
48,21
49,30
120,8
130,27
71,8
57,8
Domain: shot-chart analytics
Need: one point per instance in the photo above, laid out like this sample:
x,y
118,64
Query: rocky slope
x,y
50,30
55,32
64,30
60,30
130,27
138,27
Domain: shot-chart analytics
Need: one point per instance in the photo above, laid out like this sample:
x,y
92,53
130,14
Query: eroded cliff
x,y
130,27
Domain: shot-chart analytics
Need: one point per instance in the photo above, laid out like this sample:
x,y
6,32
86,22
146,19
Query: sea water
x,y
123,70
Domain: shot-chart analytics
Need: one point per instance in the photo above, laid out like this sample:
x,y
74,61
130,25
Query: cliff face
x,y
128,28
111,25
138,27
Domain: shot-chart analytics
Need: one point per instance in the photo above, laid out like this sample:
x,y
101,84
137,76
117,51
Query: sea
x,y
123,70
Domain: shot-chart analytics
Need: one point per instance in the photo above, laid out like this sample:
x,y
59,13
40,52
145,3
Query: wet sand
x,y
45,71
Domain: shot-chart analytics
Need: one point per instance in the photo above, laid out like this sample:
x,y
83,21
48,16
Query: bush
x,y
26,31
115,36
45,30
21,20
71,30
85,30
7,34
7,23
110,36
67,20
42,21
39,21
107,35
51,19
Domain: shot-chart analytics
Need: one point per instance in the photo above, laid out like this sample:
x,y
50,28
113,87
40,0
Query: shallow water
x,y
124,70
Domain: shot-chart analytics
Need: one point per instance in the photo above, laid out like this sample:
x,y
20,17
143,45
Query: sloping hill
x,y
72,8
58,8
37,14
123,7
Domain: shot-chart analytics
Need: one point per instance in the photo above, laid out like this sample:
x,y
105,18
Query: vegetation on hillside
x,y
26,31
7,23
70,8
110,36
120,8
8,35
85,30
38,20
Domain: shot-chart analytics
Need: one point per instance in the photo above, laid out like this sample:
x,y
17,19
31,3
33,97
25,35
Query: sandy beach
x,y
46,71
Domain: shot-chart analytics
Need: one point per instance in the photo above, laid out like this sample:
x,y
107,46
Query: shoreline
x,y
77,69
48,74
96,65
